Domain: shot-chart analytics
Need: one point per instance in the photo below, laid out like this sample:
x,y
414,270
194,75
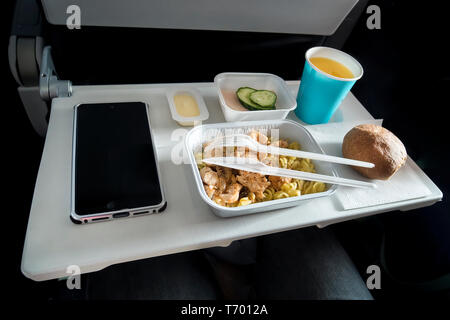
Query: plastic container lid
x,y
183,120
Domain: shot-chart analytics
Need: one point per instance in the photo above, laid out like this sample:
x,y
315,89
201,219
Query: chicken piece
x,y
255,182
269,159
258,136
240,152
229,151
210,190
277,182
280,144
208,154
214,152
243,152
225,173
251,154
261,156
205,144
209,176
216,138
231,193
272,159
218,200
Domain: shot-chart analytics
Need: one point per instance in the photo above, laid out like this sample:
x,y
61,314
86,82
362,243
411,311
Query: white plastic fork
x,y
243,140
254,165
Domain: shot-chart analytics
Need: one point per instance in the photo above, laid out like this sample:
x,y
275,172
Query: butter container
x,y
187,106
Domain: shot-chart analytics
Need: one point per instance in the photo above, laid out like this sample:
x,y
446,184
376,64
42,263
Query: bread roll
x,y
372,143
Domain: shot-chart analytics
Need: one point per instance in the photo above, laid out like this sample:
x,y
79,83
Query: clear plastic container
x,y
183,120
227,83
287,130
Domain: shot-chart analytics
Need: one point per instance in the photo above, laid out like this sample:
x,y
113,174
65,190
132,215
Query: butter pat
x,y
187,106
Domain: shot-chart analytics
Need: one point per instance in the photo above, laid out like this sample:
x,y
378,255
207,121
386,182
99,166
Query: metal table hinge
x,y
49,85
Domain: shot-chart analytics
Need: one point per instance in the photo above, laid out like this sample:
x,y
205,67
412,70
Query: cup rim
x,y
329,75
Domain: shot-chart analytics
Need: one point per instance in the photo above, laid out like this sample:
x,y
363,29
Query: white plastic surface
x,y
232,81
287,129
53,242
319,17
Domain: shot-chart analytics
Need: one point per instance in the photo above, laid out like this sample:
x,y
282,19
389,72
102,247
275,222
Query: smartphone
x,y
115,172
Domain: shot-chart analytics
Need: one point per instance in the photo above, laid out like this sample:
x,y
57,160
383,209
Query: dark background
x,y
406,82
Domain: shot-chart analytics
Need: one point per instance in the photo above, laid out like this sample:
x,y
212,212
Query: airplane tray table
x,y
53,242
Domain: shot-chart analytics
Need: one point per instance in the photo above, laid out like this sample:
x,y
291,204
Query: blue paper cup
x,y
320,93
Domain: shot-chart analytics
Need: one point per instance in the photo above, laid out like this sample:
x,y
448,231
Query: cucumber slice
x,y
243,95
264,98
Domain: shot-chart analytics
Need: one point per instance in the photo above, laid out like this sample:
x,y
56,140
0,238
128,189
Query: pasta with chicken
x,y
235,188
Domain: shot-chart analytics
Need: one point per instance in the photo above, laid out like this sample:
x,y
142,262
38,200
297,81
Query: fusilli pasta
x,y
293,188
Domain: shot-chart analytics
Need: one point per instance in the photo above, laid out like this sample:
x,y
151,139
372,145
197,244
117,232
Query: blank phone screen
x,y
115,166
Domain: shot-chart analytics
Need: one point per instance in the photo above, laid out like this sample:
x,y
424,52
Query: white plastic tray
x,y
287,129
53,242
